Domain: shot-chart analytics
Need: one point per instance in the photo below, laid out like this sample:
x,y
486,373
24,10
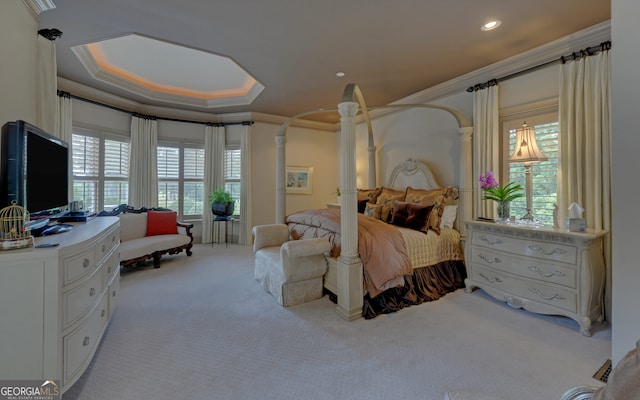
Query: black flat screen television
x,y
33,168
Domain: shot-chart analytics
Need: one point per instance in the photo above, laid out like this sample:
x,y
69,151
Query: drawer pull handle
x,y
494,280
489,260
85,342
113,294
86,263
539,249
113,239
92,292
539,293
489,241
104,247
533,268
108,270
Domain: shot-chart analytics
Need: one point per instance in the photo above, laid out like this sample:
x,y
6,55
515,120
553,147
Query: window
x,y
544,173
181,179
232,169
100,169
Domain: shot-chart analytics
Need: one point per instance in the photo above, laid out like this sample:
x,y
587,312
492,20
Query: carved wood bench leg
x,y
156,259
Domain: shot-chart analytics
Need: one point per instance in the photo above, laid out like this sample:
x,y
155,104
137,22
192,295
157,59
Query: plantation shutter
x,y
86,156
193,163
168,162
116,159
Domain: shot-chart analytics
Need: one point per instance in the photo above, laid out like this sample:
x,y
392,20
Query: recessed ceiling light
x,y
491,25
340,74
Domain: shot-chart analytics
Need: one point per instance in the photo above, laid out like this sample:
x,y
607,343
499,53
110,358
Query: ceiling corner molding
x,y
39,6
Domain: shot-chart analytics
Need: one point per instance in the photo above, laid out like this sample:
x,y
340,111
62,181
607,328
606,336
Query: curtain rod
x,y
72,96
576,55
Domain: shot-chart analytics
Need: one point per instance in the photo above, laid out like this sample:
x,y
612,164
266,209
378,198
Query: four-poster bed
x,y
347,268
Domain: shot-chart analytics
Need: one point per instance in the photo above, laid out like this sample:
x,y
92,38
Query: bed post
x,y
465,209
372,165
280,179
349,268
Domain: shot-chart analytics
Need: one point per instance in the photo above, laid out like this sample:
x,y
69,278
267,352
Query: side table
x,y
220,223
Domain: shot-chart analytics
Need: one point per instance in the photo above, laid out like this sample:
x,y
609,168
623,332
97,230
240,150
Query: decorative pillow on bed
x,y
370,195
410,215
373,210
362,205
386,199
438,209
422,196
448,216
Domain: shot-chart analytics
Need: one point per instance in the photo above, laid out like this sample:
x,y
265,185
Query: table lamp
x,y
526,152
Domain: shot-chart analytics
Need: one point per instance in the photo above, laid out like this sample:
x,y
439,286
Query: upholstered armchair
x,y
291,270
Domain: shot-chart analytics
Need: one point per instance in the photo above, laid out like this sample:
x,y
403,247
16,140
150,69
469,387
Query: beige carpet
x,y
201,327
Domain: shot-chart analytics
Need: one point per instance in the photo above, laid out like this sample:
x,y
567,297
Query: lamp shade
x,y
526,147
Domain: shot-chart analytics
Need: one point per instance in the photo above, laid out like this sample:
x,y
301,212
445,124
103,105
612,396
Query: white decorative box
x,y
576,225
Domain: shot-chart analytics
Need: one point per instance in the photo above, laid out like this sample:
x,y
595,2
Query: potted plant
x,y
337,193
222,204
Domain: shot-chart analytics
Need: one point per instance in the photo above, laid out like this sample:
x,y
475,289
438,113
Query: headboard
x,y
412,173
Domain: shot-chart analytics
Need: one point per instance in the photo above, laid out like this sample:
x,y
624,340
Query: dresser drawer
x,y
528,267
79,345
110,268
526,289
113,292
524,247
78,266
79,301
107,243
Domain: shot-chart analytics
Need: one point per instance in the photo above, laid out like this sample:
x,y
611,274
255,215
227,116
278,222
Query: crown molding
x,y
89,93
39,6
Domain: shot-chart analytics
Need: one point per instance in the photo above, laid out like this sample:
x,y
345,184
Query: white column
x,y
465,202
349,265
372,167
281,190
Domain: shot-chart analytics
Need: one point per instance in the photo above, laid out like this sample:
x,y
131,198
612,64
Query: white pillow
x,y
448,216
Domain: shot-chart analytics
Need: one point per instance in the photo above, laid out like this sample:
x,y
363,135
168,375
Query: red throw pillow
x,y
162,223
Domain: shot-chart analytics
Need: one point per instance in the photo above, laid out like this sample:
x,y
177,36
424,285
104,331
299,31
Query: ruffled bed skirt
x,y
426,284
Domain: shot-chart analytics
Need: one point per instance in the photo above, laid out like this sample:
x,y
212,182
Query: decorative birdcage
x,y
13,227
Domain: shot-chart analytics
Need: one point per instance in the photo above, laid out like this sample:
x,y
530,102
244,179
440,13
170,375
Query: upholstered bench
x,y
291,270
150,234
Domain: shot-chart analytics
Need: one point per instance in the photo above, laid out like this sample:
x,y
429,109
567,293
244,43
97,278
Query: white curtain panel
x,y
214,144
46,86
585,144
64,130
245,188
486,146
143,176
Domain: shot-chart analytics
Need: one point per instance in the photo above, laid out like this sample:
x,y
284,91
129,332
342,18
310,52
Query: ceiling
x,y
294,48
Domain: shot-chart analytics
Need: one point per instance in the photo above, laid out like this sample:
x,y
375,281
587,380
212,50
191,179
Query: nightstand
x,y
540,269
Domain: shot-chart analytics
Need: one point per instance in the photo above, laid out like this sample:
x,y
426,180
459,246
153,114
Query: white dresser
x,y
55,302
543,270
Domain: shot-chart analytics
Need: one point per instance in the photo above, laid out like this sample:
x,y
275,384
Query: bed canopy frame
x,y
350,278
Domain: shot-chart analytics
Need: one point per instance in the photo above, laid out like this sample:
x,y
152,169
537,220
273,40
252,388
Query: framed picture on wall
x,y
299,179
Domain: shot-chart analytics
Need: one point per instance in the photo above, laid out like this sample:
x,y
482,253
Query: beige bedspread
x,y
380,245
431,249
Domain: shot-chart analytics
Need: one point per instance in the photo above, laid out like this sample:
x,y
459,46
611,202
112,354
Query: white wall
x,y
625,144
18,30
305,147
